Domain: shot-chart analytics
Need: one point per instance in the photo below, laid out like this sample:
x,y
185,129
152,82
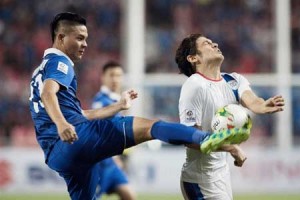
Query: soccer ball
x,y
231,116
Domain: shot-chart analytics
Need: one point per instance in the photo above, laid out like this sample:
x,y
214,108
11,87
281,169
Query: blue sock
x,y
175,133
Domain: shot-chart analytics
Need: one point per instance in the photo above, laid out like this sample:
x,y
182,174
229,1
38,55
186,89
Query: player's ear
x,y
191,58
60,37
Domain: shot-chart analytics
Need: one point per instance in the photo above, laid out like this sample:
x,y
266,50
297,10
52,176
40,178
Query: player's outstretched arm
x,y
113,109
65,130
259,105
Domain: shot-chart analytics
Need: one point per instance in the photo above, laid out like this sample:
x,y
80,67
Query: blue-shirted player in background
x,y
75,140
112,178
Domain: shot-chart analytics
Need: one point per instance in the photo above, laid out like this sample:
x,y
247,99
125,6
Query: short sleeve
x,y
243,83
190,104
59,70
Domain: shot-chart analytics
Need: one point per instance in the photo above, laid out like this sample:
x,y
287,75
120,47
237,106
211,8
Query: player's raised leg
x,y
229,136
175,133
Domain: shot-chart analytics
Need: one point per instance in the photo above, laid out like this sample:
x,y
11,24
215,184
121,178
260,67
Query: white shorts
x,y
217,190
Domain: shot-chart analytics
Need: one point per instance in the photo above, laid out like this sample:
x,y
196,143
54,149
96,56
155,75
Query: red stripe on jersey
x,y
209,78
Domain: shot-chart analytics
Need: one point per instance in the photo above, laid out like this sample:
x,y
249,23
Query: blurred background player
x,y
112,177
207,176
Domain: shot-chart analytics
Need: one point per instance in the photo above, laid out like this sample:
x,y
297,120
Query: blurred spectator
x,y
243,29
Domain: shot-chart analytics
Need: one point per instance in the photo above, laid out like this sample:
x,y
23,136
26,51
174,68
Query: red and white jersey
x,y
200,98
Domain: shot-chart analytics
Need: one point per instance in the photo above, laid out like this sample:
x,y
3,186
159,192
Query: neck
x,y
56,46
210,70
117,91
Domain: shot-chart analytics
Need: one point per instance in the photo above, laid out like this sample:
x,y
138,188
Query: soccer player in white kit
x,y
207,176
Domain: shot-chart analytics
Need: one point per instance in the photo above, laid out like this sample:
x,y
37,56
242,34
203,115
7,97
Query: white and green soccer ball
x,y
231,116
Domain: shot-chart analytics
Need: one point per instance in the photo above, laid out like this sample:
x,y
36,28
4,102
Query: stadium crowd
x,y
243,29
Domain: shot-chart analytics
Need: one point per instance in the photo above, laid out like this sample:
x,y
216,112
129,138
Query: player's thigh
x,y
82,182
191,191
218,190
105,138
142,129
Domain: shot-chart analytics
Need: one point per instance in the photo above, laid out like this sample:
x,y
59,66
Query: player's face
x,y
112,78
210,51
74,42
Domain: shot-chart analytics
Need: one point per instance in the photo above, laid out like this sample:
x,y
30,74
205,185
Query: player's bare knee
x,y
142,129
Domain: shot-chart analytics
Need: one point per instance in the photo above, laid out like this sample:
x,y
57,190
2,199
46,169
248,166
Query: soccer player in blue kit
x,y
112,178
75,140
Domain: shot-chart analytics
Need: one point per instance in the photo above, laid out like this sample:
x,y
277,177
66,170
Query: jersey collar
x,y
215,80
113,95
57,52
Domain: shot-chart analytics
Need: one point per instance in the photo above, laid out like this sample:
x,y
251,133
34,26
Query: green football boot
x,y
230,136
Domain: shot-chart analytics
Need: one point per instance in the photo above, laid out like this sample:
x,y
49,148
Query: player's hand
x,y
274,104
239,156
67,133
127,97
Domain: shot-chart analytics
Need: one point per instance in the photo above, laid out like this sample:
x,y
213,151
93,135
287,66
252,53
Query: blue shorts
x,y
111,176
77,163
191,191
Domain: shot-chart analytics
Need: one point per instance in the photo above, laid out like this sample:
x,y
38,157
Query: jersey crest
x,y
62,67
190,115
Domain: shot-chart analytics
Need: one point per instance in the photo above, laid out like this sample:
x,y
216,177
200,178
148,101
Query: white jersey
x,y
200,97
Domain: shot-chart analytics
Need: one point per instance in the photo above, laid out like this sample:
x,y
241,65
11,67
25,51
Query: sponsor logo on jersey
x,y
190,115
62,67
233,84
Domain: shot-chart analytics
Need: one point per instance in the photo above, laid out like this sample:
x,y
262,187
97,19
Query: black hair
x,y
187,47
110,65
71,18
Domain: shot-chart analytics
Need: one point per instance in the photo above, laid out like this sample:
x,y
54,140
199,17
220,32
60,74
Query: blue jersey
x,y
98,139
58,67
104,98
